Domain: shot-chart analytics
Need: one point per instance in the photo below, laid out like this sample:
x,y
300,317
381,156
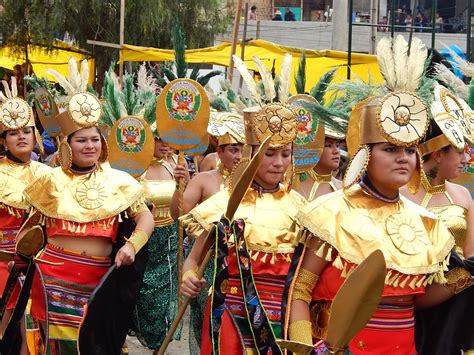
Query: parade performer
x,y
441,330
79,206
267,243
157,304
342,228
18,134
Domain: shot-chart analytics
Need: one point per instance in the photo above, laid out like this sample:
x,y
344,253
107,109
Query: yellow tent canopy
x,y
41,59
317,62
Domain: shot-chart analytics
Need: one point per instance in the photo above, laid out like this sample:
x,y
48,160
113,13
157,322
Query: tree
x,y
147,23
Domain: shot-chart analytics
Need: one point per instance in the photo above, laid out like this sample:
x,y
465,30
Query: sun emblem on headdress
x,y
90,194
15,113
405,234
85,109
277,121
402,118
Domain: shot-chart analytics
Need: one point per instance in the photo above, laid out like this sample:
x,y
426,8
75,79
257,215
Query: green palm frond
x,y
319,90
300,78
111,112
326,116
129,98
179,50
220,104
169,74
194,74
159,79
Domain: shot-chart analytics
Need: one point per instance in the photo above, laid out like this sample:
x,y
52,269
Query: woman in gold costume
x,y
79,205
442,329
320,180
343,228
158,302
17,170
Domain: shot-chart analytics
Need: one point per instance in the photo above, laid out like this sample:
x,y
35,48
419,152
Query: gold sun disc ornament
x,y
405,234
402,118
85,109
277,121
15,113
90,194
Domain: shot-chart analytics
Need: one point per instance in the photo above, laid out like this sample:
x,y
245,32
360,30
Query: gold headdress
x,y
399,117
15,113
83,110
227,127
269,118
450,116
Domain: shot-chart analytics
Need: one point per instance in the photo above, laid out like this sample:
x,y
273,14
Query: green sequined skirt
x,y
158,302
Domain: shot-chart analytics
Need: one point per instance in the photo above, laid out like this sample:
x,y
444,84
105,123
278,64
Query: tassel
x,y
64,224
404,282
120,218
395,283
337,263
392,280
412,283
264,258
421,281
344,272
387,277
329,254
273,259
320,251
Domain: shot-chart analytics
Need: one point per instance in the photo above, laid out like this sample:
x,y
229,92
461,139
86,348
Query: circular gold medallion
x,y
90,194
277,121
85,109
15,113
405,235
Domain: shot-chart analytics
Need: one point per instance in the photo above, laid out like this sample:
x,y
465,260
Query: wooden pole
x,y
257,34
181,187
235,34
122,35
244,39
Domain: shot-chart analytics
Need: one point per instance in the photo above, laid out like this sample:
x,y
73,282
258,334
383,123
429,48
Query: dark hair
x,y
253,7
72,134
430,155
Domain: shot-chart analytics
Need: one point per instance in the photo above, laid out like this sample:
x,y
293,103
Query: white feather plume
x,y
62,81
400,57
416,63
249,81
285,73
2,97
267,80
386,62
447,76
467,68
14,87
84,75
8,93
145,82
74,77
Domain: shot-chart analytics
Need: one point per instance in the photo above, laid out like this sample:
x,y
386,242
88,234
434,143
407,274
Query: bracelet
x,y
300,331
458,279
304,285
138,239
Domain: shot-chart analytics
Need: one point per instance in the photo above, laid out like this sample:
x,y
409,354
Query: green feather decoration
x,y
204,80
169,74
179,50
128,96
220,104
111,112
194,74
300,78
231,95
319,90
470,97
159,79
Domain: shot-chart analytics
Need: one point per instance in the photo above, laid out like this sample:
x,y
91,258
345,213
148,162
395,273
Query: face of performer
x,y
20,143
391,167
86,146
161,149
273,167
449,162
230,154
330,158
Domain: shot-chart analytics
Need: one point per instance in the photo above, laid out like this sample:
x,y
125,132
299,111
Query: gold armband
x,y
192,272
458,279
304,285
138,239
300,331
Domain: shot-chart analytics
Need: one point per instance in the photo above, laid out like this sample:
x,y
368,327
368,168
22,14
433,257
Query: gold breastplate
x,y
159,193
454,218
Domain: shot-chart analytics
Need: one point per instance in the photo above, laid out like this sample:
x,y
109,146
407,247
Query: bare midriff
x,y
89,246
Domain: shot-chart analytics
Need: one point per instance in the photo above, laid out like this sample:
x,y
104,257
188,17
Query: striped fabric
x,y
8,241
393,317
68,288
270,290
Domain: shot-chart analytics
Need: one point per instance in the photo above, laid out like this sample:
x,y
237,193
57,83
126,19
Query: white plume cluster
x,y
448,77
9,94
146,82
401,71
76,82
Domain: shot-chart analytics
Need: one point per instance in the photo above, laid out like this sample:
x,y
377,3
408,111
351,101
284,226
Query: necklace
x,y
437,189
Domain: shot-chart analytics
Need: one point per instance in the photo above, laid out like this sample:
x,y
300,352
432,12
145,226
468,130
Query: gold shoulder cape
x,y
14,178
84,198
270,225
412,239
